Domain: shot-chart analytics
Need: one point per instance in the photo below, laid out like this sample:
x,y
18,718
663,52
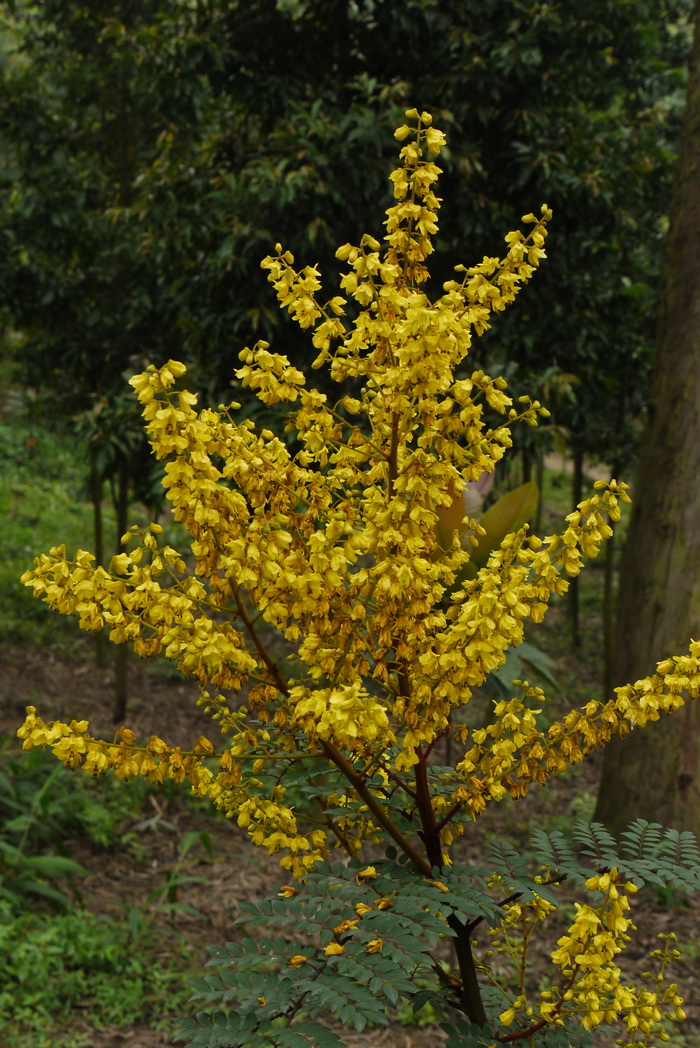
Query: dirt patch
x,y
62,686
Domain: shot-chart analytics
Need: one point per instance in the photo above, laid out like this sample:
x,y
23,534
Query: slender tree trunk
x,y
121,654
121,501
98,542
576,497
609,616
609,594
539,477
655,772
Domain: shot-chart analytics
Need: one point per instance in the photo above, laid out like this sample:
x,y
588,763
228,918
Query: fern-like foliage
x,y
515,872
646,854
274,990
352,943
462,1034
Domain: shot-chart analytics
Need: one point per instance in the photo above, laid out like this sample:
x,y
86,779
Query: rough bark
x,y
655,772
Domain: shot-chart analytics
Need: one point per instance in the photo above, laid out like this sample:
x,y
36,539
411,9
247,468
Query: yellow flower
x,y
297,960
333,949
374,945
346,926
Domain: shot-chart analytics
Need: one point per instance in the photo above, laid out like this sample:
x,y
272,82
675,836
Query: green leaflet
x,y
254,998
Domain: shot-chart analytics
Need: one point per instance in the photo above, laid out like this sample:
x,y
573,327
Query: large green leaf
x,y
510,513
468,504
450,519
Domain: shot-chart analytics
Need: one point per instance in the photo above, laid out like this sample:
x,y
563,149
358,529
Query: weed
x,y
51,965
167,897
30,797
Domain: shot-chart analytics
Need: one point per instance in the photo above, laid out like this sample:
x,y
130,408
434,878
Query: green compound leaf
x,y
255,997
270,1001
646,854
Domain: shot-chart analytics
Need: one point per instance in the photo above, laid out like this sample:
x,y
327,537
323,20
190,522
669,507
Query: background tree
x,y
657,776
241,120
83,101
80,114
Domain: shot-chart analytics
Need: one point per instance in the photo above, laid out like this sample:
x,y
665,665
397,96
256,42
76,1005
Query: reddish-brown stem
x,y
431,745
521,1034
384,820
395,778
430,835
270,663
340,835
450,815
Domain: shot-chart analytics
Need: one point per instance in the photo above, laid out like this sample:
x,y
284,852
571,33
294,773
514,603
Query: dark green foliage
x,y
30,801
42,806
647,854
254,996
356,987
259,122
512,868
466,1035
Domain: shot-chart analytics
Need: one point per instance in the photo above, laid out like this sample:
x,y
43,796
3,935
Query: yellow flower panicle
x,y
268,821
590,986
336,546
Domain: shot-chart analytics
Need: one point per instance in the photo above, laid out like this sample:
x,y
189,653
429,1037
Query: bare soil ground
x,y
65,687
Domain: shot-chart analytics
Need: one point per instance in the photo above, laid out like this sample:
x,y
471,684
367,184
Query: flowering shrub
x,y
333,541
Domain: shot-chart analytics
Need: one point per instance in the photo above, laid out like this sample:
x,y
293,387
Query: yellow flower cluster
x,y
590,982
333,542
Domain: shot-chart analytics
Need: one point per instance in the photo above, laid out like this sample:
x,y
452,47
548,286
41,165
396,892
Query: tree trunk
x,y
608,617
121,655
655,772
573,595
539,477
98,542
